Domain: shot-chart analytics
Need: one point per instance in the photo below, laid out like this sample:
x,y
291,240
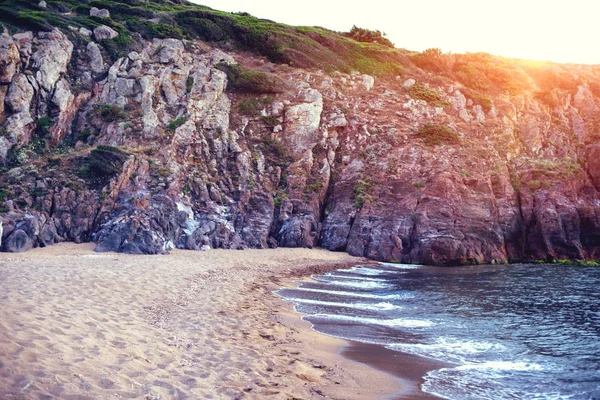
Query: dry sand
x,y
75,324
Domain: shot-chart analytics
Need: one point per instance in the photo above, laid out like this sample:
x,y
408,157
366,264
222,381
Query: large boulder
x,y
17,242
51,58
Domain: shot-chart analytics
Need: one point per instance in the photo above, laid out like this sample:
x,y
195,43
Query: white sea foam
x,y
398,296
368,271
381,306
396,322
450,349
355,284
352,277
401,266
480,381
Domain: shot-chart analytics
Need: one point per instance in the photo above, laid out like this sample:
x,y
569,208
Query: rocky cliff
x,y
199,144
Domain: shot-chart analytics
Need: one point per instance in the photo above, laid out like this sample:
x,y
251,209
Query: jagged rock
x,y
24,43
105,32
63,100
42,4
9,58
51,58
85,32
17,242
333,160
168,50
20,94
303,120
100,13
95,57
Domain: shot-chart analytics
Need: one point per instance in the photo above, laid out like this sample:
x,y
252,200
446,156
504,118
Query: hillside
x,y
147,125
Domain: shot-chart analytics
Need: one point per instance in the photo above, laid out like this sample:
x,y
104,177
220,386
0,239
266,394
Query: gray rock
x,y
95,58
51,58
20,94
409,83
368,82
105,32
85,32
42,4
17,242
48,235
101,13
168,50
5,146
24,43
9,58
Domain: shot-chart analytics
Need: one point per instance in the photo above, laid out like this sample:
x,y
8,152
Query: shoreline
x,y
407,369
75,323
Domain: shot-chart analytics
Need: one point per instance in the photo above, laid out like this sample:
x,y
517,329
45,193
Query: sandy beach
x,y
75,324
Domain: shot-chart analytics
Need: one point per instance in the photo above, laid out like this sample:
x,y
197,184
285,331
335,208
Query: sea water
x,y
505,332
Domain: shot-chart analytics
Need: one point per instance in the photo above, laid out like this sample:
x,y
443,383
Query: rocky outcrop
x,y
155,150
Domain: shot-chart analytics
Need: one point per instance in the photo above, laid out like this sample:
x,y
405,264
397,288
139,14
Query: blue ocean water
x,y
506,332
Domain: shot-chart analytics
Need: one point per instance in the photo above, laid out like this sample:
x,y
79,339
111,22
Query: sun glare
x,y
560,31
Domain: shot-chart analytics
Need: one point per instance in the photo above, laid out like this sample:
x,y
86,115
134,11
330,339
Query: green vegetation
x,y
3,194
309,47
588,263
479,99
253,106
559,168
189,84
279,197
250,81
176,124
368,36
119,46
581,263
313,187
536,184
84,135
110,112
42,125
270,120
435,134
361,191
432,96
104,161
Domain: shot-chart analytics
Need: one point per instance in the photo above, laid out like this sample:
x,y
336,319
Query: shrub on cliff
x,y
432,96
250,81
110,112
368,36
103,162
436,134
361,192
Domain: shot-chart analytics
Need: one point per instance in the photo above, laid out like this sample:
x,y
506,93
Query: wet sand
x,y
408,368
78,325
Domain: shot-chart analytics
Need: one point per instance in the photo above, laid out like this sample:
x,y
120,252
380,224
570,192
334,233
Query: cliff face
x,y
180,144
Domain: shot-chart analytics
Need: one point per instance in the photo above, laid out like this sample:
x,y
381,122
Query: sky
x,y
561,31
